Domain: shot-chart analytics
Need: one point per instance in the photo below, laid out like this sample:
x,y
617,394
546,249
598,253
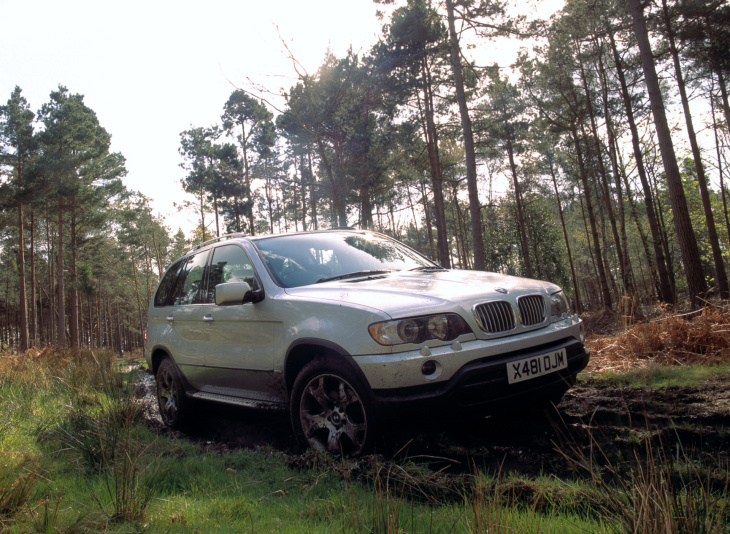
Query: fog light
x,y
428,368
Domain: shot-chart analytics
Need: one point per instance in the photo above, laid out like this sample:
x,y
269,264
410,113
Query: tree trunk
x,y
52,323
720,274
90,318
520,211
427,213
139,298
99,323
613,157
330,176
432,146
605,291
60,299
664,236
73,291
23,308
33,291
719,168
576,292
696,284
217,221
202,215
366,209
119,331
247,179
595,277
303,192
415,218
723,92
657,288
471,166
625,278
666,293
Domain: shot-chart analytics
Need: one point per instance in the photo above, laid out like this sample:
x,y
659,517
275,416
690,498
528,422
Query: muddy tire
x,y
174,405
330,410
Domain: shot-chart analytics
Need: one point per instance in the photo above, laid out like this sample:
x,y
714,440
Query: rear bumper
x,y
482,385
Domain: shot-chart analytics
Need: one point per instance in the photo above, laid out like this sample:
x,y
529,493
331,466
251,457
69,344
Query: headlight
x,y
416,330
559,307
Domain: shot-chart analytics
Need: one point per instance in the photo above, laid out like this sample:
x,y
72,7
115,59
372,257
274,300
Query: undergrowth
x,y
77,455
670,339
656,486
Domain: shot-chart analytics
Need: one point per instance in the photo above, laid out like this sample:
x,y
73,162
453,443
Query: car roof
x,y
241,236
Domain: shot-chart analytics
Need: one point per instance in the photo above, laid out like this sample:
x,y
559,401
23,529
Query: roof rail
x,y
215,240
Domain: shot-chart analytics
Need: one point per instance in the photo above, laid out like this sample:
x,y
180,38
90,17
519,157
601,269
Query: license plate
x,y
535,366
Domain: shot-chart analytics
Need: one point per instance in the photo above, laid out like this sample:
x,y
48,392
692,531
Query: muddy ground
x,y
596,415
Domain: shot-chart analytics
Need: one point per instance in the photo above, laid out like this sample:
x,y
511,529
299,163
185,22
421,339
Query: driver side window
x,y
230,264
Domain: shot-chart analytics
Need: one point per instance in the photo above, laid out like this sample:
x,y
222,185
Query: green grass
x,y
76,456
662,376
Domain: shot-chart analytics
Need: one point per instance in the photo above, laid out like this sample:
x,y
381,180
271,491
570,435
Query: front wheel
x,y
171,395
329,411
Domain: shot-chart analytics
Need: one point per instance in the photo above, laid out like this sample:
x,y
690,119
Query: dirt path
x,y
595,413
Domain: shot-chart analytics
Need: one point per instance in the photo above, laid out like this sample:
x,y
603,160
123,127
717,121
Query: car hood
x,y
410,293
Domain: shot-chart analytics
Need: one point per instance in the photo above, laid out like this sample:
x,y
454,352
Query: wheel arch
x,y
306,350
159,354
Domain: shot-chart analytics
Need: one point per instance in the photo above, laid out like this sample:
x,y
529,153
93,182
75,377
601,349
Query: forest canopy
x,y
596,160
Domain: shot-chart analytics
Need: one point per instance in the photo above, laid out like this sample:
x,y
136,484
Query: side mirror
x,y
235,293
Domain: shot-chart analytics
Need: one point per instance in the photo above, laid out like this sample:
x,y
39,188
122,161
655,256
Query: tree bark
x,y
723,92
520,211
136,291
247,178
73,291
312,191
720,274
471,166
60,299
696,284
33,293
613,157
666,294
603,281
576,292
625,278
52,323
436,172
23,298
720,169
427,213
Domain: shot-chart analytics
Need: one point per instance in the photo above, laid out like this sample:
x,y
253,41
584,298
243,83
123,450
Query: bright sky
x,y
153,68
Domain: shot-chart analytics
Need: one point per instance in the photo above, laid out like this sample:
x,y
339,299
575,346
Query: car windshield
x,y
302,259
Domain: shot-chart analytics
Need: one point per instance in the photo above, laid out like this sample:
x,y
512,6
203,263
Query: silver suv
x,y
341,327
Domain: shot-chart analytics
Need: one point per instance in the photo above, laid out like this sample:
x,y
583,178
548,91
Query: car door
x,y
159,330
239,358
186,317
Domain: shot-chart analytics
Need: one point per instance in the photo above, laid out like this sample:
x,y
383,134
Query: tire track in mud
x,y
594,413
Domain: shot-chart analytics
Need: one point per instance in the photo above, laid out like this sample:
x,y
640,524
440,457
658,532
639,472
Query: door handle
x,y
170,318
208,318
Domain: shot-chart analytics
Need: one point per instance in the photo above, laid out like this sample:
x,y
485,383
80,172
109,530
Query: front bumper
x,y
404,369
483,385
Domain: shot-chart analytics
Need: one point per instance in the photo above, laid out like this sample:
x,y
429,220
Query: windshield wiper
x,y
353,275
429,268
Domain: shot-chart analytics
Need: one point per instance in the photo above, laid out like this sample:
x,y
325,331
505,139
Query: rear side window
x,y
167,285
190,287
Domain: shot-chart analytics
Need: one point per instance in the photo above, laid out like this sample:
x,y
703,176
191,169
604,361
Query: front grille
x,y
495,317
532,310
